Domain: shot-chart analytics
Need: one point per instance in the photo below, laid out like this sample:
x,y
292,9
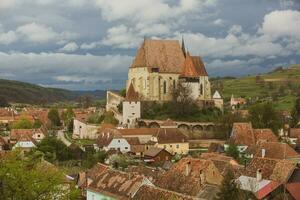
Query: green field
x,y
281,86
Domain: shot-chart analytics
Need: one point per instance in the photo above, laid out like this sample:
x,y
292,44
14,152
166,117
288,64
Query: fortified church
x,y
158,67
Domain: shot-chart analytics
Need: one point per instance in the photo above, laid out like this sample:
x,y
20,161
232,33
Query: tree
x,y
226,122
54,149
264,116
85,101
123,92
23,123
296,113
53,116
37,123
110,119
95,118
182,102
229,190
68,116
3,102
232,151
29,178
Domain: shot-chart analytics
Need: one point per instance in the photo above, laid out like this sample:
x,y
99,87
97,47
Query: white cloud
x,y
70,47
8,38
219,22
282,23
37,32
6,4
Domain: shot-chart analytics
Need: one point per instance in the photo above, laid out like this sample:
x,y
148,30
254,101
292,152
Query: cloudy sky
x,y
89,44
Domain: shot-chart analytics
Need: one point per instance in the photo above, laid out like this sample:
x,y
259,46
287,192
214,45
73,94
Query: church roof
x,y
131,94
193,67
166,55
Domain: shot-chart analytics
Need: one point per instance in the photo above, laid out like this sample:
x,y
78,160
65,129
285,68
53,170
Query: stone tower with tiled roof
x,y
158,67
131,107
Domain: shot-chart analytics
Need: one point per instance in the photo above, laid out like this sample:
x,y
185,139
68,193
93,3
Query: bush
x,y
22,124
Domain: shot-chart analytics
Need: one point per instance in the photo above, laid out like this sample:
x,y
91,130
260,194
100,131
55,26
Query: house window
x,y
165,146
39,136
126,147
165,87
177,146
119,141
170,146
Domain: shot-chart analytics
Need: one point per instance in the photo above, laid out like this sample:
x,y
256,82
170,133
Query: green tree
x,y
95,118
123,92
265,116
53,116
54,149
110,119
232,151
296,113
226,122
68,116
22,124
229,190
30,179
37,123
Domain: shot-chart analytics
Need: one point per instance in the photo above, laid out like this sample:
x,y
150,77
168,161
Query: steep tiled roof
x,y
294,189
15,134
193,67
177,180
151,173
266,135
150,192
242,134
272,169
276,150
219,157
96,170
117,184
170,135
163,54
131,94
106,136
152,152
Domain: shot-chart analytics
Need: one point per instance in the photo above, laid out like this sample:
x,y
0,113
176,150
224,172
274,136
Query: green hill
x,y
281,86
20,92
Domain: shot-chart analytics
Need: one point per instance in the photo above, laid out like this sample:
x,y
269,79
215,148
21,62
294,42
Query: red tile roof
x,y
294,190
117,184
193,67
266,135
276,150
15,134
263,192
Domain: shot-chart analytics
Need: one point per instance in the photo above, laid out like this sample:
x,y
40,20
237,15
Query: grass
x,y
285,84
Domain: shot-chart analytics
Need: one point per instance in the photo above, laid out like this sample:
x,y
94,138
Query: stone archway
x,y
198,128
184,127
142,124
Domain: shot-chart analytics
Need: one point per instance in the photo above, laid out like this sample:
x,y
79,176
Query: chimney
x,y
188,168
263,153
258,175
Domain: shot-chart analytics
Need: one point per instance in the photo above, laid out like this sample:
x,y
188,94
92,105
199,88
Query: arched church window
x,y
201,89
165,87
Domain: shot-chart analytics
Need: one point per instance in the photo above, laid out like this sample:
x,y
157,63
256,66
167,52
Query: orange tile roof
x,y
177,180
193,67
15,134
272,169
163,54
242,134
276,150
151,192
265,135
117,184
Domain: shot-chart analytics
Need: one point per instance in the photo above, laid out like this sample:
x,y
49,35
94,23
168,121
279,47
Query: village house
x,y
25,143
294,135
276,150
244,136
235,103
114,184
157,156
194,177
36,134
147,192
138,140
265,176
82,129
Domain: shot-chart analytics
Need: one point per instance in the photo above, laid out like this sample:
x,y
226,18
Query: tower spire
x,y
183,47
